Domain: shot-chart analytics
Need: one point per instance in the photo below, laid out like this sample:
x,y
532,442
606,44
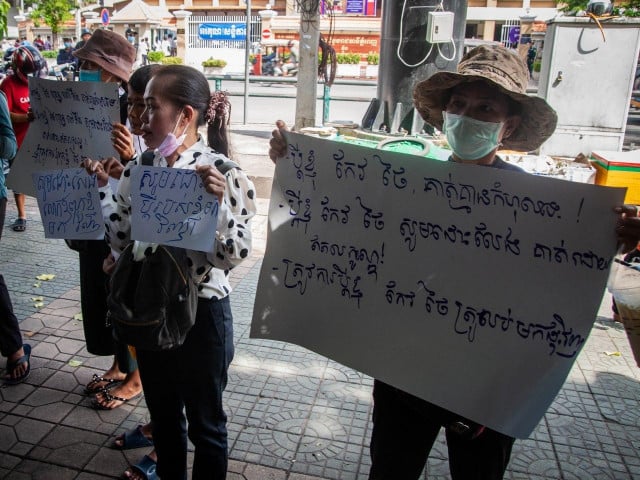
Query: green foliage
x,y
628,9
155,56
171,61
624,9
352,58
4,11
214,62
572,6
373,59
49,54
53,13
536,65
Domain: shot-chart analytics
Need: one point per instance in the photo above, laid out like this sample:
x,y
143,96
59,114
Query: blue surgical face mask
x,y
470,139
67,44
90,75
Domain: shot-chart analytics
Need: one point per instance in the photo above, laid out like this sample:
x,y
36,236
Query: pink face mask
x,y
170,143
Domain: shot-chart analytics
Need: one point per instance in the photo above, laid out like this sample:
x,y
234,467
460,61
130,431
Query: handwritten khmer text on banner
x,y
69,204
171,206
471,287
73,121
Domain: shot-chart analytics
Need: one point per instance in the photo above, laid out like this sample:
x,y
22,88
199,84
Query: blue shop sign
x,y
222,31
355,6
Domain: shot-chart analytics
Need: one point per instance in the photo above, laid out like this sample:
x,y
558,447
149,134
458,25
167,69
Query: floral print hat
x,y
500,67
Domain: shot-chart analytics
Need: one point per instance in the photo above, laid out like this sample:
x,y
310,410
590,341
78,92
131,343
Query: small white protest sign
x,y
69,204
471,287
170,206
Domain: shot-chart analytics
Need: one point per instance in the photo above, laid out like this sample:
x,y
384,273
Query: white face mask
x,y
470,139
170,143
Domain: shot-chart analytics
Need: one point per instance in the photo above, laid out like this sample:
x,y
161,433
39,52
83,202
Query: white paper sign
x,y
73,122
171,206
69,204
471,287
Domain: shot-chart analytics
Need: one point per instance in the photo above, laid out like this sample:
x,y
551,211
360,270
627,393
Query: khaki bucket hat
x,y
503,68
111,51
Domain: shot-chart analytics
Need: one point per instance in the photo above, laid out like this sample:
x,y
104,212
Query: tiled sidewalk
x,y
293,415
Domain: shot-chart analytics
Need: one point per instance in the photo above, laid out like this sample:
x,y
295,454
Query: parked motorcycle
x,y
63,72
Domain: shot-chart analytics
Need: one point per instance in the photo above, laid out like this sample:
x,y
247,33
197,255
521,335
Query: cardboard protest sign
x,y
171,206
69,204
73,122
471,287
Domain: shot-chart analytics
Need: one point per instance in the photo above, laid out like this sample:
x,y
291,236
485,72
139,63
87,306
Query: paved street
x,y
293,415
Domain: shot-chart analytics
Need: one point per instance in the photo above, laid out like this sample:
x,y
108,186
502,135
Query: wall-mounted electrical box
x,y
439,27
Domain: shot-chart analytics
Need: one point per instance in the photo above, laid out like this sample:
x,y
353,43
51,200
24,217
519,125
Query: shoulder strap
x,y
147,158
226,165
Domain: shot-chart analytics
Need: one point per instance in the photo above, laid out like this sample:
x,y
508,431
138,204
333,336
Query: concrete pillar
x,y
489,30
182,17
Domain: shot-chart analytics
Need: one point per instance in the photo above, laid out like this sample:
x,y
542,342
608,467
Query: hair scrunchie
x,y
219,108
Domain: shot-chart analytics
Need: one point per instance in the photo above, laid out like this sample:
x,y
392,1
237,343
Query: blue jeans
x,y
191,378
405,428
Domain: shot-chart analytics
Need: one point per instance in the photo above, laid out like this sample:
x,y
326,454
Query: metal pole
x,y
326,99
247,46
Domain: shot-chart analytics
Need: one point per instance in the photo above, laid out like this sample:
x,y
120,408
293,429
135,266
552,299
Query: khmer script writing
x,y
171,206
72,122
420,272
69,204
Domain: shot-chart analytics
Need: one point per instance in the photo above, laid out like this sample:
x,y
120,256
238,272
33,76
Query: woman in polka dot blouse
x,y
193,376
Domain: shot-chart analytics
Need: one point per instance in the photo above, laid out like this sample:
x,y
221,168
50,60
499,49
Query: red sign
x,y
266,34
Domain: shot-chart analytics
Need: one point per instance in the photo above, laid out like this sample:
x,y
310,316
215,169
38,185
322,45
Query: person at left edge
x,y
25,61
18,354
106,57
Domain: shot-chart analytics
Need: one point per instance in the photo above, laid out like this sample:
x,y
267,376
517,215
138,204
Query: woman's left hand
x,y
213,181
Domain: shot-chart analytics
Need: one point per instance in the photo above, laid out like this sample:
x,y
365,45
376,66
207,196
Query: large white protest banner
x,y
171,206
73,121
69,204
471,287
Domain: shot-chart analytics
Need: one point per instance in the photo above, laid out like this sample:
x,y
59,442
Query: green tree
x,y
4,11
629,8
53,13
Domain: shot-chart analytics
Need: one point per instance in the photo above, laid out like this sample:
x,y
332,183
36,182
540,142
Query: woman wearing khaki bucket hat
x,y
480,108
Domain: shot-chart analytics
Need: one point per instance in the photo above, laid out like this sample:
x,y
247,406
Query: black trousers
x,y
405,428
191,378
10,336
93,298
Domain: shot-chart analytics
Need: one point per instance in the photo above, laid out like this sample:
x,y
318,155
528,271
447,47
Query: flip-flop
x,y
146,467
107,397
92,389
20,225
26,358
134,438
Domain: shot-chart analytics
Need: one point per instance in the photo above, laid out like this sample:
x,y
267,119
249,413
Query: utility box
x,y
587,76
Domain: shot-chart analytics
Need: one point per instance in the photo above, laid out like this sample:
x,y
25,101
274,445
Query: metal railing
x,y
325,96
